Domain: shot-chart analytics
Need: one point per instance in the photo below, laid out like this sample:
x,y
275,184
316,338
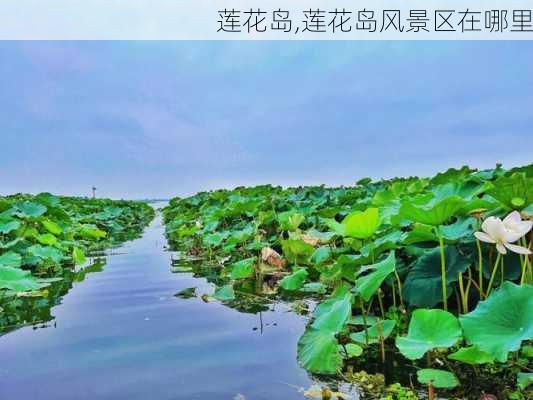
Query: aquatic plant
x,y
370,255
43,237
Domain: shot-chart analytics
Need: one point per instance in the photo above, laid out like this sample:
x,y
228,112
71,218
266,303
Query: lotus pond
x,y
396,289
44,238
424,282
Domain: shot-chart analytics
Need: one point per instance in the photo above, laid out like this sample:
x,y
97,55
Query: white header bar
x,y
266,20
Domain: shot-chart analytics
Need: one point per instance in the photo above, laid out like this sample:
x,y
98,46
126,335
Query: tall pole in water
x,y
94,192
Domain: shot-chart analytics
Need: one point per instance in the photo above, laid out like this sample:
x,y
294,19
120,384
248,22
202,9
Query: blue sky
x,y
157,119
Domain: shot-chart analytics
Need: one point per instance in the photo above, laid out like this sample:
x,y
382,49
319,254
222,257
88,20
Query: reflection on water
x,y
123,333
36,311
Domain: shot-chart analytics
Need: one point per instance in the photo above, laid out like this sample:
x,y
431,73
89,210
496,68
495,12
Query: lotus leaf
x,y
318,351
423,284
375,332
499,324
353,350
10,259
18,280
294,281
524,379
333,314
78,256
471,355
368,284
243,269
515,191
437,378
29,209
362,224
434,213
225,293
297,251
8,225
429,329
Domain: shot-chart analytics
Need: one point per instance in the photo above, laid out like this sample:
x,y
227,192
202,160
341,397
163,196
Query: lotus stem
x,y
399,282
381,340
394,297
468,286
431,392
493,274
362,305
523,267
502,272
464,299
380,300
525,262
480,269
442,270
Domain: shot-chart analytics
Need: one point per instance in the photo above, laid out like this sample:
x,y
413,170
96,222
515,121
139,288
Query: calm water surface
x,y
121,334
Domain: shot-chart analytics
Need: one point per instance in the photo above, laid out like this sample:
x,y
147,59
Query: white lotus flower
x,y
504,233
513,222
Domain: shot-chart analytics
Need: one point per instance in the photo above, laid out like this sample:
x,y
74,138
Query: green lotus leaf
x,y
438,378
434,213
423,285
465,189
297,251
29,209
368,284
369,320
78,255
471,355
383,243
419,234
294,281
224,293
241,206
290,220
527,351
240,236
18,280
344,268
461,229
362,224
337,227
353,350
215,239
321,255
47,239
364,181
318,351
91,232
524,379
499,324
10,259
429,329
52,227
8,225
243,269
314,287
374,332
48,199
515,191
333,314
11,243
46,253
451,175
